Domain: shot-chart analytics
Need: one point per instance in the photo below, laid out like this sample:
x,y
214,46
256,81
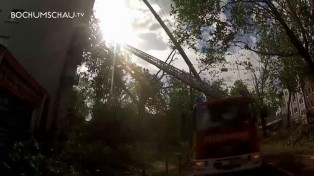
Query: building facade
x,y
308,90
300,104
297,107
49,49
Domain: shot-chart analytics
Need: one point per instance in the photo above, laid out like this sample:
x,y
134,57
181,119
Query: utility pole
x,y
175,42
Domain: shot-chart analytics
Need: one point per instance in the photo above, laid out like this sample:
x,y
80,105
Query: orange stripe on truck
x,y
226,137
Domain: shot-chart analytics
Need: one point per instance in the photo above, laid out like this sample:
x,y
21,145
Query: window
x,y
14,20
311,103
305,92
301,101
225,114
295,110
4,40
309,90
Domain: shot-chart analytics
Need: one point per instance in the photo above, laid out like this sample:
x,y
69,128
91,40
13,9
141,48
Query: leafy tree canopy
x,y
268,27
238,88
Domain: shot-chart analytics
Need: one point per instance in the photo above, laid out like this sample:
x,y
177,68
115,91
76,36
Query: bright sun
x,y
115,21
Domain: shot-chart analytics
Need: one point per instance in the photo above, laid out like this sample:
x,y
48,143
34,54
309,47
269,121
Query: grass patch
x,y
278,148
293,140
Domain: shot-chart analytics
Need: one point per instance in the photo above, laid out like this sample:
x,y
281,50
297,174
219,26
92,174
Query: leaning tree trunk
x,y
264,128
263,116
289,113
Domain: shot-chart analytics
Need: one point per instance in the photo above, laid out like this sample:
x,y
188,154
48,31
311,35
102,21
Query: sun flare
x,y
115,21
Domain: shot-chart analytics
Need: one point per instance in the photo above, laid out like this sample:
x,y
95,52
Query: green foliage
x,y
178,116
147,88
238,88
282,28
279,32
24,159
122,133
106,124
220,86
179,104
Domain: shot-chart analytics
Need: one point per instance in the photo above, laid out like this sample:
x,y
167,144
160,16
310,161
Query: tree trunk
x,y
141,113
140,131
288,113
141,109
264,128
304,52
144,173
263,121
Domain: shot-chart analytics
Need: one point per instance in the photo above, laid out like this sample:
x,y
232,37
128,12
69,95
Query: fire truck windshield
x,y
221,115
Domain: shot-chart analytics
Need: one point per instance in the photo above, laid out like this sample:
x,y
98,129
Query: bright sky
x,y
116,21
128,21
131,22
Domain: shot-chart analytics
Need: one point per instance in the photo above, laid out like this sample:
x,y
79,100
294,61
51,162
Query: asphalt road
x,y
280,164
265,170
293,162
275,164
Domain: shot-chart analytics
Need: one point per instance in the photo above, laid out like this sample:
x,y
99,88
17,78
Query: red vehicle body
x,y
17,80
22,101
225,137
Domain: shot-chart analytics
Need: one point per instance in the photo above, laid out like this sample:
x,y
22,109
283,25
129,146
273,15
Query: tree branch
x,y
128,92
264,77
263,7
297,19
271,53
293,38
168,87
203,69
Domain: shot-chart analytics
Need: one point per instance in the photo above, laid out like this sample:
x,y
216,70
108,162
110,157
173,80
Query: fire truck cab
x,y
225,136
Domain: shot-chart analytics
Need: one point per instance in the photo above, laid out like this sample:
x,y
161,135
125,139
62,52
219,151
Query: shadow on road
x,y
292,162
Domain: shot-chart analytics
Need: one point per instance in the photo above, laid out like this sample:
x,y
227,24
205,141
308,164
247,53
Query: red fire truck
x,y
225,128
225,137
22,101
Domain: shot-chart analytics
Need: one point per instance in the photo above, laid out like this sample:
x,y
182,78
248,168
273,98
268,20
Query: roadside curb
x,y
281,169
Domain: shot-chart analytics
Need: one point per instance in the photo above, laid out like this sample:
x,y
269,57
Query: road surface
x,y
267,169
275,164
293,162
